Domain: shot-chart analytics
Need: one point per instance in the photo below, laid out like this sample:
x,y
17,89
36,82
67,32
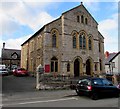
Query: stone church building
x,y
70,45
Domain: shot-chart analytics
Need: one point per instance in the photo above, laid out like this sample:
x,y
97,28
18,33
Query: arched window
x,y
82,19
74,40
100,61
54,34
54,40
95,67
86,21
68,67
54,64
78,19
80,42
84,42
99,46
90,44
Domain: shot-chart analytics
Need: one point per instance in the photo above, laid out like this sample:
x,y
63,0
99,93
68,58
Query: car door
x,y
109,87
98,86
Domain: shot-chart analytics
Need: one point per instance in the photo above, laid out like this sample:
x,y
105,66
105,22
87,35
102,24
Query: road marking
x,y
45,101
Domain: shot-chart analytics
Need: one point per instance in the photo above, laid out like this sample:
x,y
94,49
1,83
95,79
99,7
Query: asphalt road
x,y
21,92
12,84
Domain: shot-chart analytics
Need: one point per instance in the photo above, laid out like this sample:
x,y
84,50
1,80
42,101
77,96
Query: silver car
x,y
3,72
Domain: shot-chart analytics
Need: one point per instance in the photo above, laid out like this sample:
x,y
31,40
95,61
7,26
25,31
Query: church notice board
x,y
47,68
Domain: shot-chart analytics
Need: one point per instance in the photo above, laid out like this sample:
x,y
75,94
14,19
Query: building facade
x,y
70,45
10,57
112,62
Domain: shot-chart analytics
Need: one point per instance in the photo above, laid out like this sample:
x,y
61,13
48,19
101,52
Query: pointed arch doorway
x,y
76,67
88,67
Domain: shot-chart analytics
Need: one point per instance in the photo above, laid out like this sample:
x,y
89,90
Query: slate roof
x,y
115,56
109,58
7,54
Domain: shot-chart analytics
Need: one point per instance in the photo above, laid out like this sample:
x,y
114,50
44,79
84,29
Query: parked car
x,y
4,72
118,86
20,72
96,88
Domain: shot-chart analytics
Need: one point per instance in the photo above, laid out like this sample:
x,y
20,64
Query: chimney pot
x,y
3,45
106,54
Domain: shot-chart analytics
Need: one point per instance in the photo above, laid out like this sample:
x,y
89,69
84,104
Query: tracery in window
x,y
74,40
82,41
54,34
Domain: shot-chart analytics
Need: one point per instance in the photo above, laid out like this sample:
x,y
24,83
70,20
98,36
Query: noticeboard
x,y
47,68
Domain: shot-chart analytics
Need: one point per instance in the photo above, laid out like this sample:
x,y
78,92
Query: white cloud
x,y
15,14
109,29
13,43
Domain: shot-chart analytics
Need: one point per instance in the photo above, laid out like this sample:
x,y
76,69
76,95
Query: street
x,y
21,92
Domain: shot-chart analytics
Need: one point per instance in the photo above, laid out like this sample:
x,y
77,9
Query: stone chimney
x,y
106,54
3,45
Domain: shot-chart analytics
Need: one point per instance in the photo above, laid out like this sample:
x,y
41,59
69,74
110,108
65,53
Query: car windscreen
x,y
106,82
84,82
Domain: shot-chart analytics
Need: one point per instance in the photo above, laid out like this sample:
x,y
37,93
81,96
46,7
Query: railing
x,y
59,81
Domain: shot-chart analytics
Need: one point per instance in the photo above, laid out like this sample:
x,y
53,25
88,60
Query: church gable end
x,y
80,16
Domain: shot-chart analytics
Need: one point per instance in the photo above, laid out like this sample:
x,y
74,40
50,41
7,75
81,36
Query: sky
x,y
20,19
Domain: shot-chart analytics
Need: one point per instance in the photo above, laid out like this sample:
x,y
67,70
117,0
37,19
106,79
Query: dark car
x,y
20,72
96,88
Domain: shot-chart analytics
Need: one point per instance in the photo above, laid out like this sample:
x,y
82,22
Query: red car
x,y
20,72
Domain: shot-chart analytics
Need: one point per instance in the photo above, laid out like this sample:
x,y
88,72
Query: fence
x,y
64,82
59,81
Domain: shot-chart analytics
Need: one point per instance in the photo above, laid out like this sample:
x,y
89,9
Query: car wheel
x,y
117,95
94,96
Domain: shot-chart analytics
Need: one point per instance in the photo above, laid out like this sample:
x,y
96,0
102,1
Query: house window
x,y
54,64
113,64
78,19
82,19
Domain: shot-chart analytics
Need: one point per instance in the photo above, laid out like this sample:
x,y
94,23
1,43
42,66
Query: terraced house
x,y
70,44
